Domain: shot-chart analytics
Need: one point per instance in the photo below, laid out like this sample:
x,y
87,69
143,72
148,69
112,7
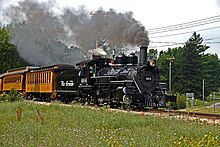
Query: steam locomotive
x,y
119,82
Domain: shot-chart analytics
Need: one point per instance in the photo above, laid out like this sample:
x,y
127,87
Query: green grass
x,y
27,124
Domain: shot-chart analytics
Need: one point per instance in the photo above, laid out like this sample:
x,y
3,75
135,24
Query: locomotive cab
x,y
89,69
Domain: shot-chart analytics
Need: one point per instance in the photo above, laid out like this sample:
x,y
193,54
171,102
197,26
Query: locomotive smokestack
x,y
143,54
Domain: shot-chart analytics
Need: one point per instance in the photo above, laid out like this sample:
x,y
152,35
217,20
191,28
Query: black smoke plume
x,y
42,31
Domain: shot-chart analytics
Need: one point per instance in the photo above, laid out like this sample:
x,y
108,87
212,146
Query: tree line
x,y
190,66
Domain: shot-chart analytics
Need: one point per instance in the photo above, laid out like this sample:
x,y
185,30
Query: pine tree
x,y
190,76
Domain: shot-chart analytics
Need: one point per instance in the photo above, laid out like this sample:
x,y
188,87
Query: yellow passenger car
x,y
0,83
42,82
14,79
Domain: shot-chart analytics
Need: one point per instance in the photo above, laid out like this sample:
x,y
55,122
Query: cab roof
x,y
93,61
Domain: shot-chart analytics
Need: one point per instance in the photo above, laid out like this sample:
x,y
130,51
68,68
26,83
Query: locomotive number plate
x,y
148,78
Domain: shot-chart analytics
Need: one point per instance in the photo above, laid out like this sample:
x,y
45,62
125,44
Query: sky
x,y
159,13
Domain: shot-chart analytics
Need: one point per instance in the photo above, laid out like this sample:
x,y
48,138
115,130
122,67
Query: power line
x,y
166,45
185,27
215,42
214,38
185,24
169,45
185,32
179,43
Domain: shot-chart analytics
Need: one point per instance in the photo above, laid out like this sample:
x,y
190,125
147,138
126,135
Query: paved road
x,y
217,105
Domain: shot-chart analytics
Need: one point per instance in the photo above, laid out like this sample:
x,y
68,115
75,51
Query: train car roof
x,y
19,70
55,67
92,61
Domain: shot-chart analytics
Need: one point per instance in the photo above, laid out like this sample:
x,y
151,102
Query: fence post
x,y
214,101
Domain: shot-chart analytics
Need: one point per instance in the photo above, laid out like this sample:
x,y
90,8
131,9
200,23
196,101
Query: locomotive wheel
x,y
126,105
114,104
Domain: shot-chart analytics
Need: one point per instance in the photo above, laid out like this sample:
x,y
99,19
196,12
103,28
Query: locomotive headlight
x,y
85,80
152,63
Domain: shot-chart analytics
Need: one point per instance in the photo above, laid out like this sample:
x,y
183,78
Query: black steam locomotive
x,y
120,82
103,81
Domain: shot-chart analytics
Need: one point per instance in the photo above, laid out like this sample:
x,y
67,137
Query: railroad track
x,y
204,118
197,114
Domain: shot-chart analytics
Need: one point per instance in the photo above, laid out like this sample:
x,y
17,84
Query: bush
x,y
3,97
12,96
171,105
181,101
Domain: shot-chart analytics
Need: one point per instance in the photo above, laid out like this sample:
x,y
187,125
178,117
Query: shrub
x,y
171,105
12,96
3,97
181,101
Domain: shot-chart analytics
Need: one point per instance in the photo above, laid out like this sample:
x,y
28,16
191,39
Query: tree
x,y
9,57
152,54
190,66
187,70
163,63
211,68
191,71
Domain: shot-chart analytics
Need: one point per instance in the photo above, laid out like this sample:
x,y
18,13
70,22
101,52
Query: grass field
x,y
28,124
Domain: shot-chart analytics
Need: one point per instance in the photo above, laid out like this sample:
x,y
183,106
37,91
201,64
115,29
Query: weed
x,y
206,140
39,116
18,113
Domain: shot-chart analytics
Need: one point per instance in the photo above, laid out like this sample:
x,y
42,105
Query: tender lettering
x,y
67,83
63,83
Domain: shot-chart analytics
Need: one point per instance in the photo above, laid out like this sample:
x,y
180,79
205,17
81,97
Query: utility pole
x,y
170,73
203,90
